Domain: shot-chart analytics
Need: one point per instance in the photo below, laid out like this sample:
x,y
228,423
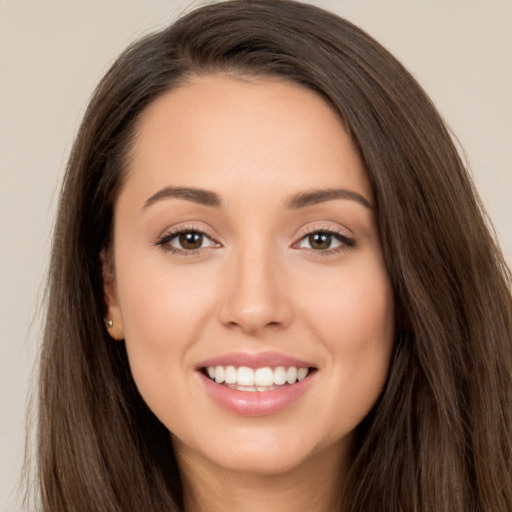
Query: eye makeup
x,y
186,241
318,240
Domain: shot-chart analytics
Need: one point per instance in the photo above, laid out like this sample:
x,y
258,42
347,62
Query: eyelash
x,y
164,241
346,242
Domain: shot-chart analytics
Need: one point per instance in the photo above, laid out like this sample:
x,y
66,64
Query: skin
x,y
258,285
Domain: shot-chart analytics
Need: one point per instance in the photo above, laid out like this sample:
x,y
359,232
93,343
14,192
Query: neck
x,y
315,485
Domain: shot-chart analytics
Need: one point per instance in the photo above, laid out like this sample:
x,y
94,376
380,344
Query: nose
x,y
255,298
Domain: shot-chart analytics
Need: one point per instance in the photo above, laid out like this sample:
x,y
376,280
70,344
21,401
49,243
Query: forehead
x,y
218,129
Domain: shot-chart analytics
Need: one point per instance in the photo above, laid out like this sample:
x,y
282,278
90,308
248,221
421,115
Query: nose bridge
x,y
255,295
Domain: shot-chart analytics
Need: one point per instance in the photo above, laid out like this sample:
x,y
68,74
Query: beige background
x,y
52,53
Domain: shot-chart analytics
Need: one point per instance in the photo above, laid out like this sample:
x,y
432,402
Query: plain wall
x,y
52,53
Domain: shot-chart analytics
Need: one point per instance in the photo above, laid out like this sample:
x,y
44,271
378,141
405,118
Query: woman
x,y
272,285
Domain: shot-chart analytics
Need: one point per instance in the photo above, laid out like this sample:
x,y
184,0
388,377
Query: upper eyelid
x,y
318,227
174,231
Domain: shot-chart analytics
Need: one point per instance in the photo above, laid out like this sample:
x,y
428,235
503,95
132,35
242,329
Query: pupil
x,y
320,240
191,240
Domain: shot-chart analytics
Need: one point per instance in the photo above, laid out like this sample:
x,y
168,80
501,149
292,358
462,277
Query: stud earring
x,y
109,323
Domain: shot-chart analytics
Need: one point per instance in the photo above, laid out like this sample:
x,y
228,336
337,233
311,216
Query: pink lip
x,y
255,403
260,360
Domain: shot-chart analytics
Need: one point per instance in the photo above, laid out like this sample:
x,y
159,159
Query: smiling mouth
x,y
262,379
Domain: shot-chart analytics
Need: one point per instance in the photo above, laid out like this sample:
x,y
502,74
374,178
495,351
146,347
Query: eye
x,y
325,241
189,240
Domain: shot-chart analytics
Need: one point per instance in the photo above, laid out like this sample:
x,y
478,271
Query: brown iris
x,y
320,241
191,240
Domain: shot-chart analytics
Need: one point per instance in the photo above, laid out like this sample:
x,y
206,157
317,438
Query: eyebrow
x,y
194,195
300,200
313,197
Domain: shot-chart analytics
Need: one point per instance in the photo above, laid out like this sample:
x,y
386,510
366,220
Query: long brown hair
x,y
440,436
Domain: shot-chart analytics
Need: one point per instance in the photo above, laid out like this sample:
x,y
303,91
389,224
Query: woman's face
x,y
249,280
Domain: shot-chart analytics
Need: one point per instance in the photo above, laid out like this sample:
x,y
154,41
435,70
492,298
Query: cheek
x,y
163,312
354,308
161,303
354,318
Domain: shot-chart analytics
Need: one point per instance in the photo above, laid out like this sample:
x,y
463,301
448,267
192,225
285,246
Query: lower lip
x,y
255,403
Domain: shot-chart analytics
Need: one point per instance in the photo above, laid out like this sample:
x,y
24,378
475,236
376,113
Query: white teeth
x,y
230,375
260,379
219,374
279,376
245,376
250,388
302,373
291,375
264,377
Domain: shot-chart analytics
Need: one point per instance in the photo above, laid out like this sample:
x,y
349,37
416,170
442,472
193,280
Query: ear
x,y
113,319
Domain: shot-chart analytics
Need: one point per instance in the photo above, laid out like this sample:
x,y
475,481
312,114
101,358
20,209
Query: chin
x,y
277,462
261,452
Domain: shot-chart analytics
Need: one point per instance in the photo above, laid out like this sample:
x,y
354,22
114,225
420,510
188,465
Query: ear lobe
x,y
113,319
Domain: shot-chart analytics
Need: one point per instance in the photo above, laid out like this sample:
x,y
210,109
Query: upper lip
x,y
254,361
